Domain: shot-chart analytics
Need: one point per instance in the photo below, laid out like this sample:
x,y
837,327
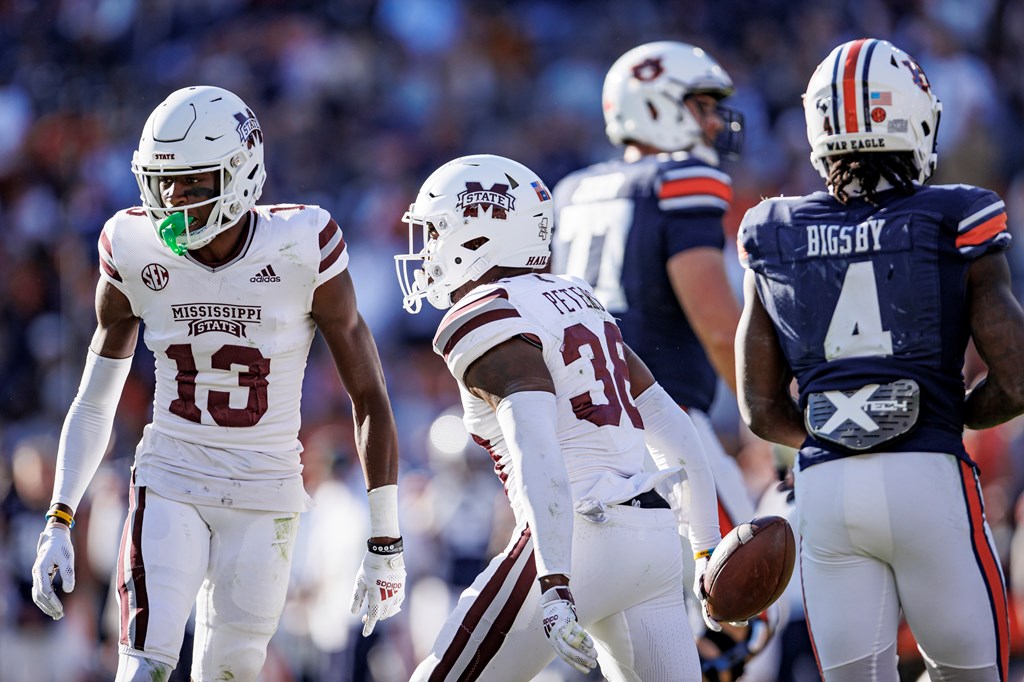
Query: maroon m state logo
x,y
475,197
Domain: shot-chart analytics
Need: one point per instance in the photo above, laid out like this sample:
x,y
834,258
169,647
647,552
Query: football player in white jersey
x,y
564,409
645,230
231,294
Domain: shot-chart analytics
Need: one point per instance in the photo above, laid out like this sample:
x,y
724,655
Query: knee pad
x,y
878,667
138,669
233,654
944,673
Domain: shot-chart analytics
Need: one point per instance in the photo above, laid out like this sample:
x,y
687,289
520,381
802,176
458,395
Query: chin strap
x,y
173,227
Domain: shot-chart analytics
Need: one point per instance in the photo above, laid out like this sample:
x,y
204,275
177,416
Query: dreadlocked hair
x,y
867,169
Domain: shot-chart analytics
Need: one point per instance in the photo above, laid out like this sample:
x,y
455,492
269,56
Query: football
x,y
750,568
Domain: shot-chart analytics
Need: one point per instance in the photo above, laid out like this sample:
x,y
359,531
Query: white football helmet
x,y
197,130
644,92
870,96
472,214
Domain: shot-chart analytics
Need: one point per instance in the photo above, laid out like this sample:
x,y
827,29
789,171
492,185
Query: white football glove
x,y
380,583
702,596
566,636
54,554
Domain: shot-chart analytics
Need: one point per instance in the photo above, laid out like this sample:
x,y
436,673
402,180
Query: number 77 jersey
x,y
868,305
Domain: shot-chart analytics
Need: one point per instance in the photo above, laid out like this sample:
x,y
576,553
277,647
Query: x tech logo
x,y
852,408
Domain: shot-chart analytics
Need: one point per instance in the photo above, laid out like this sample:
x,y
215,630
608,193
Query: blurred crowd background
x,y
359,101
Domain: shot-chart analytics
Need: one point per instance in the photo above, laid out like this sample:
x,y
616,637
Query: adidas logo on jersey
x,y
267,274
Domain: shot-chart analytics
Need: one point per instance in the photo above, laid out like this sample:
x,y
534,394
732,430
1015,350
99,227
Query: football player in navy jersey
x,y
867,295
646,232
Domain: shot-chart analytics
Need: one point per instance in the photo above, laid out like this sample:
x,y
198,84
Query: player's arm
x,y
90,418
355,355
354,350
673,442
83,441
700,284
763,375
997,325
514,380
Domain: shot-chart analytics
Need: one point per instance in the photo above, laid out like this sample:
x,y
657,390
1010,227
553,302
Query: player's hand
x,y
566,636
702,596
380,583
724,655
54,555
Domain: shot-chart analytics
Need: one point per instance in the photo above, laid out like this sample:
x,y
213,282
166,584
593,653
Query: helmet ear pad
x,y
201,129
471,215
870,96
645,90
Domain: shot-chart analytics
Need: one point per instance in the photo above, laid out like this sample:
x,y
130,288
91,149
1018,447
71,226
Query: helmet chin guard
x,y
200,129
473,214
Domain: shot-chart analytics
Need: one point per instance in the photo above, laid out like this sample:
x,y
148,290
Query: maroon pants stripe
x,y
503,623
136,614
481,604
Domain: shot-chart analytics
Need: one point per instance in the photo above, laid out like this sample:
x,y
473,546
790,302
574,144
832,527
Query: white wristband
x,y
383,511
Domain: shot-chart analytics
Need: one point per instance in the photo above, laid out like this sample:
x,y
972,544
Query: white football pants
x,y
236,560
627,583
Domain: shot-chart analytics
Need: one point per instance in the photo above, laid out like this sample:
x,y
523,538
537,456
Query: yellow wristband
x,y
63,516
697,556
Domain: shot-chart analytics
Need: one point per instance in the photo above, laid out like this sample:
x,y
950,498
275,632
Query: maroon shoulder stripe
x,y
449,322
329,260
330,229
105,243
470,316
332,244
110,270
475,323
107,257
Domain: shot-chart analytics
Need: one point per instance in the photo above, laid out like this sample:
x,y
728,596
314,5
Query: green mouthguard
x,y
173,227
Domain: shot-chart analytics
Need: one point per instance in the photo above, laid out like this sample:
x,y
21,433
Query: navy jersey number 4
x,y
864,294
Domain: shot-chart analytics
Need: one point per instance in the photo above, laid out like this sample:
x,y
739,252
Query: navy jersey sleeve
x,y
753,241
981,222
693,199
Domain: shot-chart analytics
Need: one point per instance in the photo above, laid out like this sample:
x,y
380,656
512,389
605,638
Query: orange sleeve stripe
x,y
982,232
691,186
